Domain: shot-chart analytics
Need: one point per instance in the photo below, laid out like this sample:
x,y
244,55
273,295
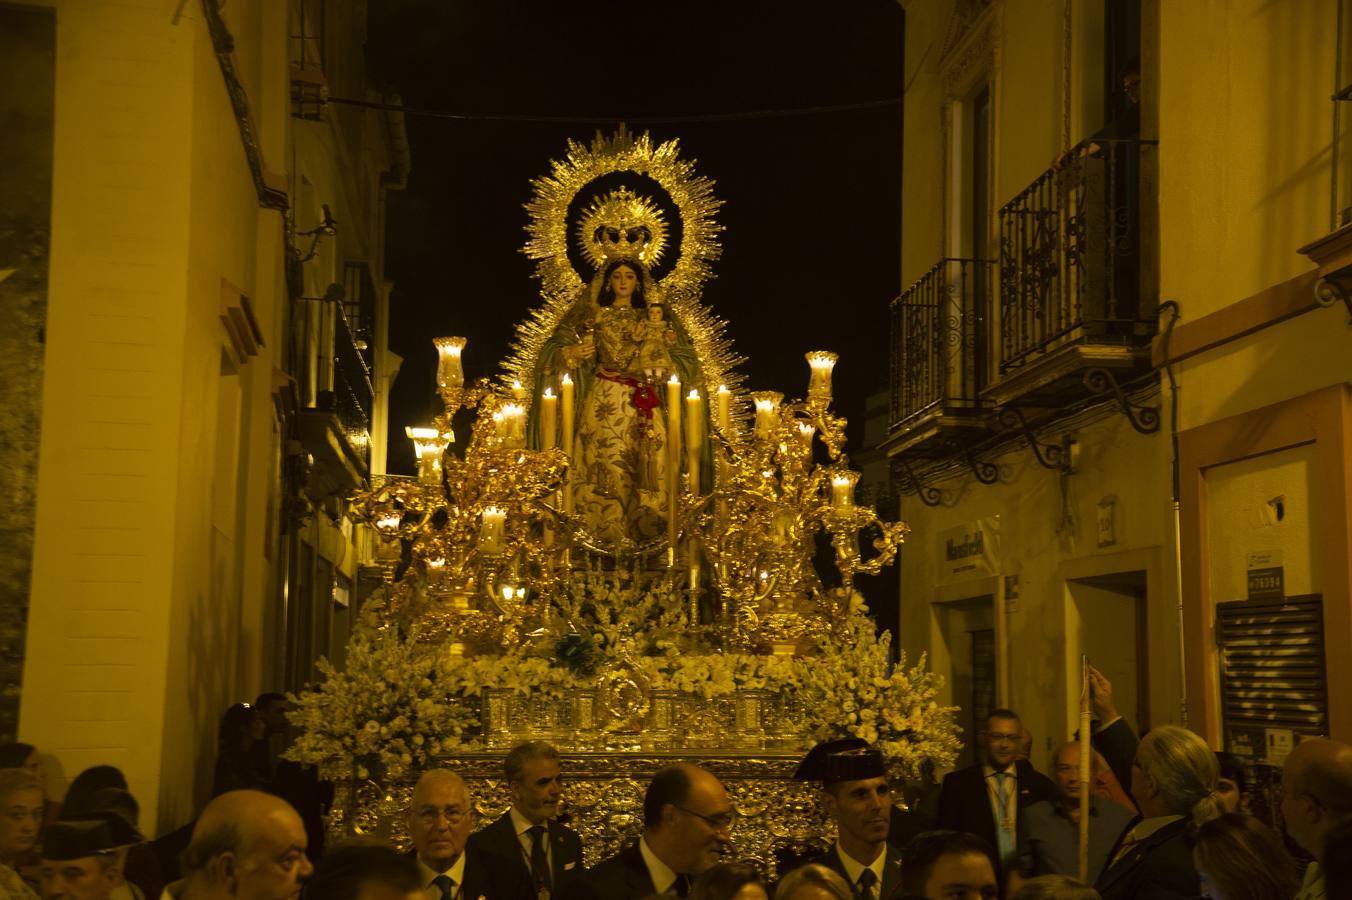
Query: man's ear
x,y
668,814
225,871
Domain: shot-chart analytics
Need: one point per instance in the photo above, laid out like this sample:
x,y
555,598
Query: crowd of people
x,y
1165,821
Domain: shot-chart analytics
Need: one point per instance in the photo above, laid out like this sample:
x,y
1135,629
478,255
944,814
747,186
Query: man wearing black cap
x,y
859,799
79,856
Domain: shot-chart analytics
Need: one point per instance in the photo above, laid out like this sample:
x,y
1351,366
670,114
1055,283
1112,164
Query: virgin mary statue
x,y
624,233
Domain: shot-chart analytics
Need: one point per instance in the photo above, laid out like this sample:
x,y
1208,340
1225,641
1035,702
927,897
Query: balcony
x,y
333,369
939,358
1078,275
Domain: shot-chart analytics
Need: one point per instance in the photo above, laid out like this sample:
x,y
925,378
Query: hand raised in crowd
x,y
1101,696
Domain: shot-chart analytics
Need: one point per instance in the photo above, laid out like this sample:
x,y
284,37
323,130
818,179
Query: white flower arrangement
x,y
398,705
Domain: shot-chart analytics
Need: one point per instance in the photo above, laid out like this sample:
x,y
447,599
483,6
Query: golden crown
x,y
622,225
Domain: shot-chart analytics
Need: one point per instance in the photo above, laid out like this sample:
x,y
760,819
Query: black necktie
x,y
863,888
446,884
539,859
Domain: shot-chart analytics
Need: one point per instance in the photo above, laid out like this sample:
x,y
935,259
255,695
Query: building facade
x,y
1119,404
212,372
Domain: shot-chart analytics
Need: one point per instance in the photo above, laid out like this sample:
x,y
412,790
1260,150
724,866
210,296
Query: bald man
x,y
1316,796
440,818
687,826
247,845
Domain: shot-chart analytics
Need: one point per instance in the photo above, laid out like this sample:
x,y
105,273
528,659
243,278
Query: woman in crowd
x,y
1240,858
813,882
21,805
80,794
729,881
241,729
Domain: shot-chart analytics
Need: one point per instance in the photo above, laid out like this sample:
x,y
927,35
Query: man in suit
x,y
987,799
1152,859
1316,799
687,826
527,837
440,818
79,856
246,845
858,798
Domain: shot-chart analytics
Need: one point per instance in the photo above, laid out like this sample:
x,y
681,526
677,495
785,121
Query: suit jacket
x,y
965,804
1159,866
499,839
623,876
891,886
487,879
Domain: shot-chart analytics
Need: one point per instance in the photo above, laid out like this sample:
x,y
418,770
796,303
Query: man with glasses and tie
x,y
687,826
440,819
527,837
857,796
986,799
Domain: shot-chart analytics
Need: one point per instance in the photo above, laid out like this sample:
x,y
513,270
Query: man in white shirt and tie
x,y
440,819
527,837
857,796
986,799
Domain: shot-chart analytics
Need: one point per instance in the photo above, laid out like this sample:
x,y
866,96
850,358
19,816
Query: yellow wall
x,y
138,636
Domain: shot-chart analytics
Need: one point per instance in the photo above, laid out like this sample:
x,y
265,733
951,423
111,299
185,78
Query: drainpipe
x,y
1176,486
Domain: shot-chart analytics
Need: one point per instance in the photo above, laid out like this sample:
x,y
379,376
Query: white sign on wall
x,y
971,550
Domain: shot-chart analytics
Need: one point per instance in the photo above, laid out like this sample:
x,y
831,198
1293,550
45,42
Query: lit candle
x,y
673,459
821,363
549,414
842,490
806,431
724,410
513,425
566,388
694,438
491,531
518,392
767,411
449,372
428,447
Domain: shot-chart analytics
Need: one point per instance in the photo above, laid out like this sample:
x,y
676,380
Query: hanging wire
x,y
616,120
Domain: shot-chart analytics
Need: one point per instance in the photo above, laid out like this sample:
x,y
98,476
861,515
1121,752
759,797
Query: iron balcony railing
x,y
1073,267
939,338
333,369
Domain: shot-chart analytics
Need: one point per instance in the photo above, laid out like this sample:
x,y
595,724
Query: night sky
x,y
811,251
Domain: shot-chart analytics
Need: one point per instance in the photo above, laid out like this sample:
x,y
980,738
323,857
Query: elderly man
x,y
1049,831
687,826
859,799
440,819
988,799
246,845
948,865
80,856
365,871
1316,798
526,837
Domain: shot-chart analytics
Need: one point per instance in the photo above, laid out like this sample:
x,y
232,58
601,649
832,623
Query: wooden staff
x,y
1086,756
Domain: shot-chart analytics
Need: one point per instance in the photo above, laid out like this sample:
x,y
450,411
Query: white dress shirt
x,y
854,868
428,875
663,876
523,827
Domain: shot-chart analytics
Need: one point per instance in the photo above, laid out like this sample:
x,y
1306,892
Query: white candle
x,y
842,490
513,425
821,363
549,414
673,455
694,438
767,411
806,431
428,447
724,410
492,530
449,372
518,392
566,388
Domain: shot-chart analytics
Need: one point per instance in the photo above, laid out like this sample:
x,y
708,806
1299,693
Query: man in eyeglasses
x,y
1316,797
858,797
440,819
986,799
687,826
